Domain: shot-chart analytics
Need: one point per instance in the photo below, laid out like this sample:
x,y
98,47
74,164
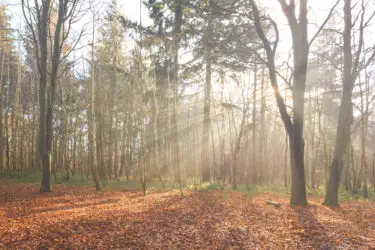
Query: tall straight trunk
x,y
62,140
314,158
46,175
176,133
14,119
142,160
123,147
55,158
110,145
195,140
354,173
364,125
255,163
114,139
7,151
206,175
130,139
286,162
115,157
74,147
51,89
312,169
238,147
345,114
297,145
22,148
263,142
39,27
33,152
1,109
99,138
92,118
155,134
213,150
47,93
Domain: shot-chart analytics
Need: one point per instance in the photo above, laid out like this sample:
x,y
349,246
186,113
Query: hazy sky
x,y
318,10
131,8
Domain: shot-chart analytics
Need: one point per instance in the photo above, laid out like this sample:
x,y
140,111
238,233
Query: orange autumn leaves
x,y
76,218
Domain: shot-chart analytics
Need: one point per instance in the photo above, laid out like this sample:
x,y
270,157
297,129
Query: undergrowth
x,y
34,176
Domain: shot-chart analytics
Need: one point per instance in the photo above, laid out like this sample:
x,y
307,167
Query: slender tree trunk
x,y
14,119
294,125
255,163
7,151
297,145
43,89
262,165
177,37
373,172
1,110
155,137
364,128
238,147
92,117
123,148
345,114
142,160
206,175
286,163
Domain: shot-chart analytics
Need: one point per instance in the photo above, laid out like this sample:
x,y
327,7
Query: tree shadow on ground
x,y
28,200
12,213
200,220
171,222
310,229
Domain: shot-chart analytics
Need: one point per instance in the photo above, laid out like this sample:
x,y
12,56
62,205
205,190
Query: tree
x,y
294,124
224,43
205,166
293,127
5,56
92,112
38,19
351,70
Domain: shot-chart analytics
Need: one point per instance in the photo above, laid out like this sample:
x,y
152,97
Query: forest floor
x,y
79,217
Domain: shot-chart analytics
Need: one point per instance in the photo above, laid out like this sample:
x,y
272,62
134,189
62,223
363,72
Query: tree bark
x,y
345,114
1,110
255,162
293,126
176,137
206,175
92,117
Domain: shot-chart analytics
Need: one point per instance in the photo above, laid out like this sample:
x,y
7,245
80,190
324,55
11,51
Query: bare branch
x,y
324,23
355,70
271,67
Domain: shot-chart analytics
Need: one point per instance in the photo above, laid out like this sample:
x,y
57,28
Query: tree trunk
x,y
177,37
364,126
373,173
255,163
92,118
206,175
293,126
262,164
1,110
345,114
238,147
297,145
